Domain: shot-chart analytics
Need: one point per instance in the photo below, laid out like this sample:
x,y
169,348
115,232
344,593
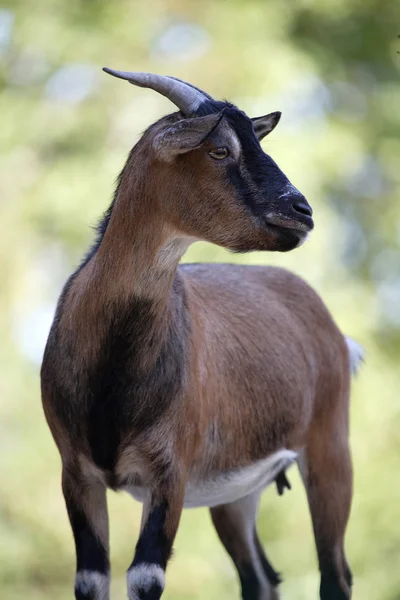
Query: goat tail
x,y
356,354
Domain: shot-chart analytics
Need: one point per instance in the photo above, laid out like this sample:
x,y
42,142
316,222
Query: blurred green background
x,y
332,68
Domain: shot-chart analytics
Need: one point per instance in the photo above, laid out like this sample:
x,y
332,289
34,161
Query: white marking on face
x,y
142,578
233,142
93,584
290,190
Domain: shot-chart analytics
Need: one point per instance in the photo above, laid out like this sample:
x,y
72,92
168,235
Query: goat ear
x,y
264,125
184,136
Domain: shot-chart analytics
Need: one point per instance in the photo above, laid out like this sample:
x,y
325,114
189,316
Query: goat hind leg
x,y
326,470
236,526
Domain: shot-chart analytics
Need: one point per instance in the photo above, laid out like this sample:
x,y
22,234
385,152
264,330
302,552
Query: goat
x,y
198,384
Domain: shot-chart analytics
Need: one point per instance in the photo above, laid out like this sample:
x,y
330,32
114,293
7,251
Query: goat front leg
x,y
87,510
161,515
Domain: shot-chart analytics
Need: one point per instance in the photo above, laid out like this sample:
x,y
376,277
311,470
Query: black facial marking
x,y
268,181
259,182
154,547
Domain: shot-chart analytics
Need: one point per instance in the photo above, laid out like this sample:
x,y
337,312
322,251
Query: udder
x,y
226,487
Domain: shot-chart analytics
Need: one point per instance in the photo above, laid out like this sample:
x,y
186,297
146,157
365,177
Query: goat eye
x,y
219,153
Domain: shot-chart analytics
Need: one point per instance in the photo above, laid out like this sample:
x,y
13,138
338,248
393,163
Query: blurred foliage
x,y
332,67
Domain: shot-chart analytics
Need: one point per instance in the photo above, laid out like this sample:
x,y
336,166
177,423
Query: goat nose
x,y
301,206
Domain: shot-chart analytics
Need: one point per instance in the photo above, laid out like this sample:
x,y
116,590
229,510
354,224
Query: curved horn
x,y
192,86
186,97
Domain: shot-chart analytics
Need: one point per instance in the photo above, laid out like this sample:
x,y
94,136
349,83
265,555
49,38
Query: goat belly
x,y
226,487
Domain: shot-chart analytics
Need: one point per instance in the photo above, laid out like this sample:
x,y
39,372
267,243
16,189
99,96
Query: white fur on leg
x,y
93,584
143,577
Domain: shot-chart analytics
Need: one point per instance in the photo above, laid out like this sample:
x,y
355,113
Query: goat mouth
x,y
289,233
302,225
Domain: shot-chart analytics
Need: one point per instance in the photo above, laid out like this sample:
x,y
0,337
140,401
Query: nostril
x,y
302,207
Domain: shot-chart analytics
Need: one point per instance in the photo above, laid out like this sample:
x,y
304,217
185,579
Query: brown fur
x,y
264,365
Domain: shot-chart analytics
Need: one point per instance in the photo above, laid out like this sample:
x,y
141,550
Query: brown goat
x,y
198,385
